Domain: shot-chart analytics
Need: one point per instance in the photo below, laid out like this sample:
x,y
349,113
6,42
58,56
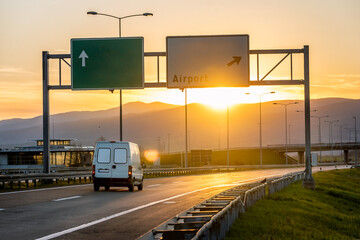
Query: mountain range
x,y
162,126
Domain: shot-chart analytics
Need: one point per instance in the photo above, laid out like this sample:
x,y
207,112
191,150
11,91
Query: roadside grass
x,y
332,211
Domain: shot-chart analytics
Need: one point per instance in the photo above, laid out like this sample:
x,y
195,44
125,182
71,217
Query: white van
x,y
117,164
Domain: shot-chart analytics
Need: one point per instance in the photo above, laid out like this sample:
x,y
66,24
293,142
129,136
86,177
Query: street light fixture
x,y
260,95
119,18
286,137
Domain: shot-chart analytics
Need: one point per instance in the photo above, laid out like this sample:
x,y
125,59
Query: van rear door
x,y
103,165
120,166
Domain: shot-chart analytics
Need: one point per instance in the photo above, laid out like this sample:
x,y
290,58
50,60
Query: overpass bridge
x,y
300,148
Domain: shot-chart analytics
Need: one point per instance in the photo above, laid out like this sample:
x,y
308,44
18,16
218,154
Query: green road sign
x,y
107,63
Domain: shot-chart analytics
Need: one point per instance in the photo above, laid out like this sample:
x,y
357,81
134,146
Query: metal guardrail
x,y
212,218
38,169
84,174
278,184
36,178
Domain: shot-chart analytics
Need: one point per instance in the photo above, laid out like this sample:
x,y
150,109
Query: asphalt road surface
x,y
77,212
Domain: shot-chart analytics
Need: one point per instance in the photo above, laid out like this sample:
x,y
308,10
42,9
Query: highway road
x,y
77,212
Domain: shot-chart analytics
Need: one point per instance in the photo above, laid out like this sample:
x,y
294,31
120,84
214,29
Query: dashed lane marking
x,y
64,199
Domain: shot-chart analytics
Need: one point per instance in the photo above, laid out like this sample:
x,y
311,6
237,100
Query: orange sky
x,y
330,27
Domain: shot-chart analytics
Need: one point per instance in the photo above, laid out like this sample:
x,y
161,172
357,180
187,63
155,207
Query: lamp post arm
x,y
134,15
108,15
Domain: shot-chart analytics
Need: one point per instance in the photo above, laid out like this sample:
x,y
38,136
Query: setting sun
x,y
151,155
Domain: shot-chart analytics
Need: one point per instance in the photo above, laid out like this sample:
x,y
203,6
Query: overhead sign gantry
x,y
205,61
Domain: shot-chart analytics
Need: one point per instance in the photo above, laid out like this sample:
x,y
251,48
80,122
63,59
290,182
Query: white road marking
x,y
64,199
70,230
44,189
178,182
169,202
2,209
154,185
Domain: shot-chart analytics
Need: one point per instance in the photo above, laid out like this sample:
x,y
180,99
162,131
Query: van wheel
x,y
107,187
141,186
96,187
131,186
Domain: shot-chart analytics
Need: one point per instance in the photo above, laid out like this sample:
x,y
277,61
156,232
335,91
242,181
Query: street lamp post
x,y
260,127
331,135
319,118
228,138
341,128
119,18
355,143
286,137
350,130
341,135
186,131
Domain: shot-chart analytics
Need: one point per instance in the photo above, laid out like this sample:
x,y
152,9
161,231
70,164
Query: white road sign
x,y
208,61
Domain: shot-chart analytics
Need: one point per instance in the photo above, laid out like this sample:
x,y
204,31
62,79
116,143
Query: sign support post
x,y
46,113
308,182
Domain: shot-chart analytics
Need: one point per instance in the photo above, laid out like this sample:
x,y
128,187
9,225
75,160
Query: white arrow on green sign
x,y
107,63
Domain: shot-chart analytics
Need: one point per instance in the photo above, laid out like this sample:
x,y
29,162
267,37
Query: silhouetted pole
x,y
119,18
356,155
331,139
308,182
260,124
186,132
228,138
341,136
168,143
286,135
46,113
319,141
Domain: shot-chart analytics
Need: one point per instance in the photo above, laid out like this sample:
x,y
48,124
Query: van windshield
x,y
120,155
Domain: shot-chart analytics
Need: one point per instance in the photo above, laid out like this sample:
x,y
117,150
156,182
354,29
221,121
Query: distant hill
x,y
153,124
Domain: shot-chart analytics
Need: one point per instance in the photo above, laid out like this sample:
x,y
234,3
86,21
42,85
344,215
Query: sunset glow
x,y
151,155
330,28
